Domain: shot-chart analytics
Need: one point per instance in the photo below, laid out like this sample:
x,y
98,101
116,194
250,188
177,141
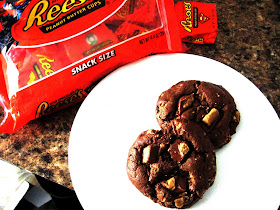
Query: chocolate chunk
x,y
150,154
178,150
185,102
162,194
181,184
160,168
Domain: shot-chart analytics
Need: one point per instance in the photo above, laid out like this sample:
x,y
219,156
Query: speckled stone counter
x,y
248,41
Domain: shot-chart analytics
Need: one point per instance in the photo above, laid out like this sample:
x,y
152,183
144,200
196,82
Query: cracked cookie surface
x,y
207,104
172,170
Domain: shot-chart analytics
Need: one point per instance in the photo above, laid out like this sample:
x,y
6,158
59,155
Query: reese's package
x,y
53,51
197,21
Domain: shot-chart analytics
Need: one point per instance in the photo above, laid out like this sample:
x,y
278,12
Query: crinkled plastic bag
x,y
55,51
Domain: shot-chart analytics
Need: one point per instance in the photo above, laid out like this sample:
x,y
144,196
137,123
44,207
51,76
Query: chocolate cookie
x,y
172,170
207,104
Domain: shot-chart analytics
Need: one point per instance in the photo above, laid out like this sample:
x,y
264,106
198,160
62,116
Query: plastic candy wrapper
x,y
52,52
197,22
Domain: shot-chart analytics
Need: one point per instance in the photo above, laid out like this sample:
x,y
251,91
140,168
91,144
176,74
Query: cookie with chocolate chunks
x,y
172,170
207,104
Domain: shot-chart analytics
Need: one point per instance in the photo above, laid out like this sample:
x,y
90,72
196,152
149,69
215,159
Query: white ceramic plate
x,y
122,105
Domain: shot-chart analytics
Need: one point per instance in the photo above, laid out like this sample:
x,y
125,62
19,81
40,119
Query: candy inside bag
x,y
130,13
88,43
58,53
128,30
31,64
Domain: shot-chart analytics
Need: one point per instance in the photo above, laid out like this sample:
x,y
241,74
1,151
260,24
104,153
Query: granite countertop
x,y
248,41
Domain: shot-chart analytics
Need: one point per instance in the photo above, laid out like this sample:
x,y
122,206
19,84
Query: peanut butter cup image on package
x,y
209,105
173,171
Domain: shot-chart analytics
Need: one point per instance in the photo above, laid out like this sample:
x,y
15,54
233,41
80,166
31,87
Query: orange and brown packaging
x,y
60,48
197,21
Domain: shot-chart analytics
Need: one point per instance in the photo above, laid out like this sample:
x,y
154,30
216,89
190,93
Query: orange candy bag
x,y
197,21
62,47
